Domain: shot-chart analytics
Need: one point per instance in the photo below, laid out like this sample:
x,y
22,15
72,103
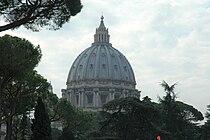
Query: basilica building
x,y
100,74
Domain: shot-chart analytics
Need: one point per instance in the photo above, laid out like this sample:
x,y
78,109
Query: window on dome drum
x,y
90,98
91,66
77,99
103,99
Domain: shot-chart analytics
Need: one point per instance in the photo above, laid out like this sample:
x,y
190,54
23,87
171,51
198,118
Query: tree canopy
x,y
17,57
178,119
35,14
74,120
20,84
129,118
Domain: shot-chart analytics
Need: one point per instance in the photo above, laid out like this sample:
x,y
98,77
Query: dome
x,y
100,74
101,62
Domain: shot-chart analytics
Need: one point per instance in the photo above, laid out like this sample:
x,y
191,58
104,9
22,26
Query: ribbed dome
x,y
101,62
100,74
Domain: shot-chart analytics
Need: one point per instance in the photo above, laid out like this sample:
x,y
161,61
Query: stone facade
x,y
100,74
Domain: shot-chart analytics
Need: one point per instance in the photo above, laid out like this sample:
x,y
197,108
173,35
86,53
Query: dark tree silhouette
x,y
24,130
41,129
35,14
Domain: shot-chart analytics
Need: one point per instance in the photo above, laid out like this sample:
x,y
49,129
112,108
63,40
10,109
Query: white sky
x,y
163,40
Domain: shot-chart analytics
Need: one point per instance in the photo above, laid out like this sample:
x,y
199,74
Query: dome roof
x,y
101,62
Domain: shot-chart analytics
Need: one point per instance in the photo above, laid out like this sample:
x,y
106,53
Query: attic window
x,y
77,99
90,98
103,54
103,99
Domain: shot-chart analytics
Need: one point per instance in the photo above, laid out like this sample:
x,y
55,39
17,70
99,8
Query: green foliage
x,y
66,134
41,129
178,119
207,115
35,14
74,120
20,95
24,129
205,133
129,118
55,133
17,57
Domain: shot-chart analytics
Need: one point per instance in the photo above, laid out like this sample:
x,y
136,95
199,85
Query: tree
x,y
205,133
20,96
74,120
168,104
179,119
66,134
17,57
41,129
55,133
35,14
24,129
129,118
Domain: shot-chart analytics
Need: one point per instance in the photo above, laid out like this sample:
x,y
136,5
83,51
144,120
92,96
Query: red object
x,y
158,137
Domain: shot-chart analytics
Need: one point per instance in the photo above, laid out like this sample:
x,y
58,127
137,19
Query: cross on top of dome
x,y
101,35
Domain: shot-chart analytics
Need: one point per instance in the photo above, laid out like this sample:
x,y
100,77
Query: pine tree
x,y
41,129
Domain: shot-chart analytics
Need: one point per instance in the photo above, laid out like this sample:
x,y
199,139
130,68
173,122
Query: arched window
x,y
103,98
89,98
77,99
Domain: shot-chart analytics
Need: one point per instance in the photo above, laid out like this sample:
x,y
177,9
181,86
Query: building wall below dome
x,y
94,98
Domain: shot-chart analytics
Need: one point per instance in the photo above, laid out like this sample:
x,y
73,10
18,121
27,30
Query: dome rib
x,y
109,62
88,71
120,66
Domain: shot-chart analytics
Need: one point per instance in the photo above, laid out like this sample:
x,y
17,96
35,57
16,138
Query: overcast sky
x,y
162,39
